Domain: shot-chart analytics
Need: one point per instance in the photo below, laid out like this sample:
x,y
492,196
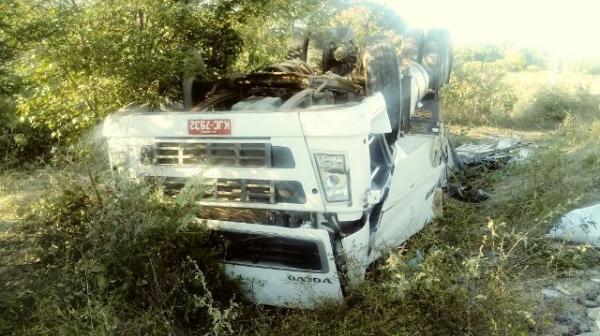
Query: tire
x,y
437,57
382,74
412,46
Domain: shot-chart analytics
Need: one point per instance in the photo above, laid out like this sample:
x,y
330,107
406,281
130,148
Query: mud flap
x,y
290,267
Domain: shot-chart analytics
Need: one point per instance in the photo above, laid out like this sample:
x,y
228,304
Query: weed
x,y
434,289
124,260
477,94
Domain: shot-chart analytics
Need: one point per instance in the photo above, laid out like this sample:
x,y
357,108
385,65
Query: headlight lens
x,y
334,178
118,154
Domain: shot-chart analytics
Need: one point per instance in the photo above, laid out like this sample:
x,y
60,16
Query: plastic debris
x,y
497,152
579,226
551,293
467,193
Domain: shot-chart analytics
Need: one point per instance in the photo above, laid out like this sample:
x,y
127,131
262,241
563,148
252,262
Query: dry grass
x,y
18,189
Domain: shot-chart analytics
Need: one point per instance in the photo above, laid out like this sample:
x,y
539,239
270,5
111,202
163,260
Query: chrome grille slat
x,y
238,190
224,154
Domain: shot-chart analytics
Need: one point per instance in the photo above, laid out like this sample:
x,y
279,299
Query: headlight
x,y
334,178
118,154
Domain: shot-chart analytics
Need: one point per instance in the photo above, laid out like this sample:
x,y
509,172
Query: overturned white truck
x,y
323,171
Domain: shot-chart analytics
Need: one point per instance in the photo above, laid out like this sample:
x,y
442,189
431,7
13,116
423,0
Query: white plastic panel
x,y
287,288
409,204
369,116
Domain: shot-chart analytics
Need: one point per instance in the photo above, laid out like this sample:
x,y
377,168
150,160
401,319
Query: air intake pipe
x,y
425,64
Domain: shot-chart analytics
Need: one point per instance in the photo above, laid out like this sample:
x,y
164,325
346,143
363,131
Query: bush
x,y
477,94
119,258
20,143
556,104
553,104
434,288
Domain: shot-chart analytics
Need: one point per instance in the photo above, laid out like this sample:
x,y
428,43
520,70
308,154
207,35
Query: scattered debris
x,y
579,226
491,155
579,301
254,103
415,262
551,293
494,154
594,315
467,193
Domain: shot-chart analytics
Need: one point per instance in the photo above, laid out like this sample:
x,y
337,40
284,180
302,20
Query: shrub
x,y
477,94
119,258
553,103
20,143
431,289
556,104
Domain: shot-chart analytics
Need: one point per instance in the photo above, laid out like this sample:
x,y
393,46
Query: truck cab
x,y
309,177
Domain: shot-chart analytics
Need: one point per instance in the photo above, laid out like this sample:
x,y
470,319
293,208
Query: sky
x,y
566,28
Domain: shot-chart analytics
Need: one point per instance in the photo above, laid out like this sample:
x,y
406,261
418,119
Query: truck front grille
x,y
219,154
242,190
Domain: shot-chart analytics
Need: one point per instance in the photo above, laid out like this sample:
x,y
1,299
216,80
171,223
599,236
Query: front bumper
x,y
268,278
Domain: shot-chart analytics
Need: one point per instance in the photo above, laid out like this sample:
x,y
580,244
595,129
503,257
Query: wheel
x,y
412,46
437,57
382,74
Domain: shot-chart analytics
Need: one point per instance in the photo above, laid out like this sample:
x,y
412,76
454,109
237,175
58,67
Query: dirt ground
x,y
18,189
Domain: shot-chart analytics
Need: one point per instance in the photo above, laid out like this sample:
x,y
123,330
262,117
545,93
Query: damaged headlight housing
x,y
118,155
147,154
334,176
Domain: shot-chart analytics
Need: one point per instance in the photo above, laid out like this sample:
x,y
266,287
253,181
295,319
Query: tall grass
x,y
480,269
486,94
433,287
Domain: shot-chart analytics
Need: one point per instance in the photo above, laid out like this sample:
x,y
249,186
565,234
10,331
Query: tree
x,y
102,55
80,60
19,28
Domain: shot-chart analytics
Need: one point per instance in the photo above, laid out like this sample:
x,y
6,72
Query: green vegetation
x,y
118,259
101,255
64,65
477,95
505,87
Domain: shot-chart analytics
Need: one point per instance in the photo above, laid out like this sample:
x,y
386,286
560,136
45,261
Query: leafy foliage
x,y
17,139
67,64
477,94
124,260
505,56
556,103
73,62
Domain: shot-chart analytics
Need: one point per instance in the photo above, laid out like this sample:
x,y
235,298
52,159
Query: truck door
x,y
408,206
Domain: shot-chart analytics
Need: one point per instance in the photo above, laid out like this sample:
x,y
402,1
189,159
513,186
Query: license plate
x,y
209,127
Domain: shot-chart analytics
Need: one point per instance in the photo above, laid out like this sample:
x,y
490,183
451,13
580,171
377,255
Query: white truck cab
x,y
314,176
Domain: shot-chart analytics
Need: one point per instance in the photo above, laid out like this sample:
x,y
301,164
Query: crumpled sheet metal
x,y
497,150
